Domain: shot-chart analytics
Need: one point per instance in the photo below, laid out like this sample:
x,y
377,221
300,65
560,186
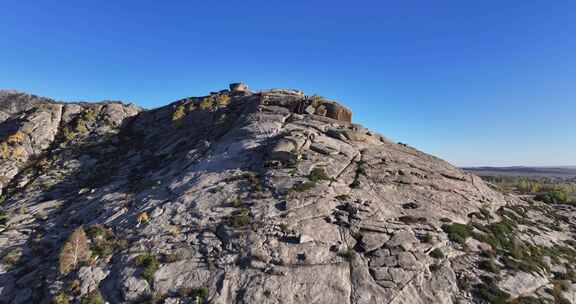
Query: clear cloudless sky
x,y
473,82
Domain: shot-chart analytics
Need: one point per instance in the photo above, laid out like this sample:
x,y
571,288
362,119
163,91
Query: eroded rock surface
x,y
256,197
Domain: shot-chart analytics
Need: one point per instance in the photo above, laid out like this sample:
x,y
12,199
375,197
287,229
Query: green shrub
x,y
491,293
435,267
236,203
489,265
347,254
61,298
457,232
103,241
498,235
68,134
317,175
485,214
360,170
302,187
81,126
97,231
553,197
150,264
89,115
427,238
240,218
199,294
437,253
283,227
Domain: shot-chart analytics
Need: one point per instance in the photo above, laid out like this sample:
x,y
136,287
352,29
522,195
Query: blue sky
x,y
473,82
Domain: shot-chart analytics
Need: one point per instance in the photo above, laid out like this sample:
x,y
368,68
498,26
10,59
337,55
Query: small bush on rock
x,y
317,175
457,232
241,218
205,104
150,264
200,294
491,293
427,238
553,197
4,151
347,254
178,114
222,100
302,187
489,265
61,298
437,253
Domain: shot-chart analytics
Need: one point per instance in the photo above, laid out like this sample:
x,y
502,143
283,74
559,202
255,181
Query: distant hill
x,y
561,172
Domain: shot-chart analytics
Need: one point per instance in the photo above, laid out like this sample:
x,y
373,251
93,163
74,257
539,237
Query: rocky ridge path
x,y
267,197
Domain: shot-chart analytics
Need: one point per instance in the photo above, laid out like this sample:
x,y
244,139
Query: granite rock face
x,y
256,197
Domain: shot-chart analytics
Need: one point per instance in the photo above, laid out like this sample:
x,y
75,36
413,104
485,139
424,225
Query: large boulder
x,y
338,112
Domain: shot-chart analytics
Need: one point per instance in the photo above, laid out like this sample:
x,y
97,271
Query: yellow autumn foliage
x,y
74,252
16,138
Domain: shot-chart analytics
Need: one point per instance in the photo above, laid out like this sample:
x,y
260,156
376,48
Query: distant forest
x,y
553,190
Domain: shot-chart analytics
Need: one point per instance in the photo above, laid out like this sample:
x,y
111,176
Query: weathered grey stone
x,y
355,135
90,278
23,296
380,274
323,149
371,240
310,110
522,283
403,239
6,287
223,199
400,276
338,112
384,261
305,239
133,287
407,260
284,150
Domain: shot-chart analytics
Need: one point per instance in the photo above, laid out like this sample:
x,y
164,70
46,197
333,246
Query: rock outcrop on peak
x,y
255,197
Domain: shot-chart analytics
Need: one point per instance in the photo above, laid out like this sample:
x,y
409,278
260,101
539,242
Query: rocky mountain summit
x,y
256,197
